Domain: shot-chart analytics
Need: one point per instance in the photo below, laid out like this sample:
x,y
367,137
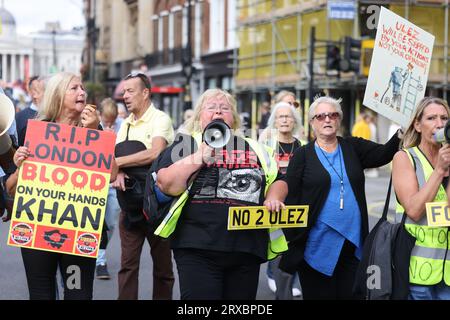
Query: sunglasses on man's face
x,y
141,76
331,115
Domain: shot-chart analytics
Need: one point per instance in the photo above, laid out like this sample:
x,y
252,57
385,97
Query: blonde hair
x,y
283,93
193,124
108,108
55,90
412,137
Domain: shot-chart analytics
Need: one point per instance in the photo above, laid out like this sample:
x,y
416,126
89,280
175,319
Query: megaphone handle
x,y
207,152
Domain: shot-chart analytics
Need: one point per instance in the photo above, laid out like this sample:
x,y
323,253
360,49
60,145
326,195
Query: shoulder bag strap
x,y
386,204
128,131
388,198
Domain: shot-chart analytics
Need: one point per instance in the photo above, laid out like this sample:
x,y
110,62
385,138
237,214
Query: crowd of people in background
x,y
327,173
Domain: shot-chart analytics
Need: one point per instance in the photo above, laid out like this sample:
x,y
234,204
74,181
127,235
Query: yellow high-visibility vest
x,y
277,241
430,259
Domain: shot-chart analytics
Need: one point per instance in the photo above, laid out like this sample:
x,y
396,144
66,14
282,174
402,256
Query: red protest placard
x,y
62,189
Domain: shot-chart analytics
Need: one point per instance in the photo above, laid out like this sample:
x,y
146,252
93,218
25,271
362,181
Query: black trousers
x,y
317,286
41,266
213,275
131,243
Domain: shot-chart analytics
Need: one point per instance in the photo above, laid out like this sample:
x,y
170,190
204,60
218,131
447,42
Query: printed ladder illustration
x,y
411,95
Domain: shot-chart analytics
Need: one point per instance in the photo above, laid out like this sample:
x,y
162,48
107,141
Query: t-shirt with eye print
x,y
234,178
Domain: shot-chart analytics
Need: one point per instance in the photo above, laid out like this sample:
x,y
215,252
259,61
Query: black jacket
x,y
22,121
309,184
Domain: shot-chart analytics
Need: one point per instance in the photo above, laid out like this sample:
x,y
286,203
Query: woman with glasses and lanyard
x,y
328,175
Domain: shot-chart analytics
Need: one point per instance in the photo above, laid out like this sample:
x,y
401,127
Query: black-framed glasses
x,y
144,78
331,115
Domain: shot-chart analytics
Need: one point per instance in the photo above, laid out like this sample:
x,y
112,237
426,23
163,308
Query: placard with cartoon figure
x,y
399,68
62,189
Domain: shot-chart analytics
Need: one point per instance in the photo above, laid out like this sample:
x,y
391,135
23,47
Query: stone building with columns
x,y
17,58
39,53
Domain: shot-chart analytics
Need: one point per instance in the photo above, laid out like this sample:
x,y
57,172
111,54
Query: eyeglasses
x,y
331,115
144,78
295,104
214,107
284,117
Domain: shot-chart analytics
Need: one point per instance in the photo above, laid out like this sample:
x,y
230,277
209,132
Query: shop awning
x,y
118,92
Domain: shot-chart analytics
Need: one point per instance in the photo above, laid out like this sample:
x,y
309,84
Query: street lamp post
x,y
92,32
54,46
186,61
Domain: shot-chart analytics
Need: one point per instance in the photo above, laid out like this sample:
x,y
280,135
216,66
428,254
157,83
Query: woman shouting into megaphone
x,y
213,262
420,174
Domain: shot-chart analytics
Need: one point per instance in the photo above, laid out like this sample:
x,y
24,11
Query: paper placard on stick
x,y
258,217
399,68
62,189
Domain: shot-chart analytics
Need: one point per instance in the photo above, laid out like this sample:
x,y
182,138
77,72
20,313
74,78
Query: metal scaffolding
x,y
283,63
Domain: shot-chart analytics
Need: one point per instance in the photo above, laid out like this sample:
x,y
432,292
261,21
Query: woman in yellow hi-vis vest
x,y
420,174
213,262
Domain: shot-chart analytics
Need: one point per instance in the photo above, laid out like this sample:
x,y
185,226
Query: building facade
x,y
193,51
117,40
274,39
57,50
17,55
152,36
39,53
253,48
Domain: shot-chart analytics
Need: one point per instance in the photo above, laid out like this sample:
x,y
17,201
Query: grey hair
x,y
294,112
336,103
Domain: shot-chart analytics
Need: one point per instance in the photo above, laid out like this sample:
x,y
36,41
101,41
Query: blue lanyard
x,y
341,176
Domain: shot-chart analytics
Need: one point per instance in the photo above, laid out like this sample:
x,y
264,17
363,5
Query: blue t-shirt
x,y
334,225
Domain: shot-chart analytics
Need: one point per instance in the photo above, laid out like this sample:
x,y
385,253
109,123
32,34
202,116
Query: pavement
x,y
13,282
